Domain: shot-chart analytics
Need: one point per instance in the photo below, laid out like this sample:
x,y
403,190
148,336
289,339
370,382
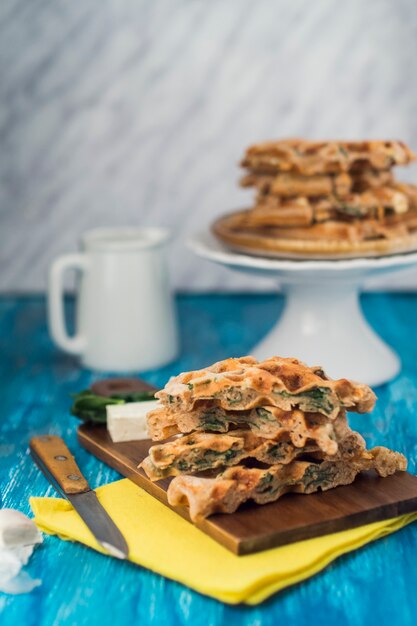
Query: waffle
x,y
375,203
203,451
266,421
200,452
227,491
289,184
245,383
270,427
325,157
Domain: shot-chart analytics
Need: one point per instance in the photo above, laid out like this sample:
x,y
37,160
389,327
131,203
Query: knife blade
x,y
56,462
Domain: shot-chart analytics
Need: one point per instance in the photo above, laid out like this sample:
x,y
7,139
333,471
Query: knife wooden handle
x,y
57,463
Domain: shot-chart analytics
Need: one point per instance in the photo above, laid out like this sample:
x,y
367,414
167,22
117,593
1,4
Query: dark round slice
x,y
122,386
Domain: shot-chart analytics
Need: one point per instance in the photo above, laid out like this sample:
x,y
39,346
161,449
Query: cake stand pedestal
x,y
322,322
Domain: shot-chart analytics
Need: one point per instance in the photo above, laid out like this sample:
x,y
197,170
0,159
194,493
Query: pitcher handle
x,y
73,344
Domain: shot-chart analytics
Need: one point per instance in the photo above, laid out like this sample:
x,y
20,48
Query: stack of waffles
x,y
324,198
249,430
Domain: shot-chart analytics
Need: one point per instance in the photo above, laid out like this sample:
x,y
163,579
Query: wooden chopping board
x,y
292,518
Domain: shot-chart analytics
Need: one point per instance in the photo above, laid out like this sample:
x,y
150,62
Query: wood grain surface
x,y
293,517
53,454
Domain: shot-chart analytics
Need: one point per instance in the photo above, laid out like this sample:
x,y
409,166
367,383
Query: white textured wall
x,y
137,111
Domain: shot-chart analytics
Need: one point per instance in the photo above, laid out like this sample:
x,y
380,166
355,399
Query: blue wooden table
x,y
377,584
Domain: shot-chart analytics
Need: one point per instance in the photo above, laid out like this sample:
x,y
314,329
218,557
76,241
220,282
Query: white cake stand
x,y
322,322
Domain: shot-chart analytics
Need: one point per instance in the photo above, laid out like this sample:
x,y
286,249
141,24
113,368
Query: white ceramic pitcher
x,y
125,318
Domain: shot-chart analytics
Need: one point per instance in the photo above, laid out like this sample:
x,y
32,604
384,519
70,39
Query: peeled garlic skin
x,y
18,537
17,530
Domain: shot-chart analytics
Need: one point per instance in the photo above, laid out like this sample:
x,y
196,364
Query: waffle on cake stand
x,y
322,320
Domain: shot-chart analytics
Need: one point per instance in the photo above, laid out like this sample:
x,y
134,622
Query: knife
x,y
56,462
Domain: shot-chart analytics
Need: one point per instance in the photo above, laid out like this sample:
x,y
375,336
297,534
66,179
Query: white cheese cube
x,y
127,422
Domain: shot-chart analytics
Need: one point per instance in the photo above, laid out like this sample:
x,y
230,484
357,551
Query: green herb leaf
x,y
350,210
89,407
316,398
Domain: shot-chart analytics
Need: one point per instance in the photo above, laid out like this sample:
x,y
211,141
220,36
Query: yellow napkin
x,y
163,542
